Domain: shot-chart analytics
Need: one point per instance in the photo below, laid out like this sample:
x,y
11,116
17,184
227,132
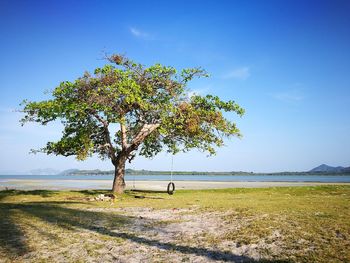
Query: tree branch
x,y
111,149
99,118
124,136
143,133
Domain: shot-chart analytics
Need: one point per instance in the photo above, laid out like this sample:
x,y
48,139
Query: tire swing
x,y
171,186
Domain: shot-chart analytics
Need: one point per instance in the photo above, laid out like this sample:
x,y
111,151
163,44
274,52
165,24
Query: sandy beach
x,y
144,185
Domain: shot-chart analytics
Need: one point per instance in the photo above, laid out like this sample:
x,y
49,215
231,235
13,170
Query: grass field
x,y
282,224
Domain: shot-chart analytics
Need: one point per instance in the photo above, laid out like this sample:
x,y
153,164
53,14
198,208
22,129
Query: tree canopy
x,y
151,105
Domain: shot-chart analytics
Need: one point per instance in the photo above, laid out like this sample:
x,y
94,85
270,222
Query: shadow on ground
x,y
13,239
13,192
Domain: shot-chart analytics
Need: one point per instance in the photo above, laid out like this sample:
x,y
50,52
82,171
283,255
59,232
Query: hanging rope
x,y
172,167
171,185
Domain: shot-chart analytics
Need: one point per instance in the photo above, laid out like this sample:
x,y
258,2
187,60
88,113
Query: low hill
x,y
323,168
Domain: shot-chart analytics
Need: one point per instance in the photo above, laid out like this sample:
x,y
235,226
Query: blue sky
x,y
286,62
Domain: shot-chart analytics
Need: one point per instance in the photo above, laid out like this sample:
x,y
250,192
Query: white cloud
x,y
288,96
292,93
200,91
241,73
138,33
192,93
7,110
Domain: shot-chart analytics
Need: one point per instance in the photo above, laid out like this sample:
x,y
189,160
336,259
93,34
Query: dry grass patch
x,y
301,224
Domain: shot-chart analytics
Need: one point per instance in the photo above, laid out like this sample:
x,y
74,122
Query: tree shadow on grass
x,y
146,191
14,192
12,238
75,219
92,192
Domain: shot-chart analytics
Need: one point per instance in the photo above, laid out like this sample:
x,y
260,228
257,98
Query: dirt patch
x,y
136,234
179,235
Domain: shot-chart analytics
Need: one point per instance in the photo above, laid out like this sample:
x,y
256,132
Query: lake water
x,y
214,178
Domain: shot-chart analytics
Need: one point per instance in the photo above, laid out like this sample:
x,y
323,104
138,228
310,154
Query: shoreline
x,y
79,184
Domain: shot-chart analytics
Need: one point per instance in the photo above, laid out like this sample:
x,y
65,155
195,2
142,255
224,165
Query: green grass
x,y
309,224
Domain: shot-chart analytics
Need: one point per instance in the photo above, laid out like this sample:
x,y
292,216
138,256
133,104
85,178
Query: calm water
x,y
226,178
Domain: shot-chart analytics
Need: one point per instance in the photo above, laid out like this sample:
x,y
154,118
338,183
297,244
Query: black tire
x,y
171,188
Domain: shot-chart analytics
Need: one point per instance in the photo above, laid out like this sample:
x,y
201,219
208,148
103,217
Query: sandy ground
x,y
181,235
143,185
66,233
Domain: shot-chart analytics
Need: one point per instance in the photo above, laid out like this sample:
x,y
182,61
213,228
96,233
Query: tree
x,y
151,106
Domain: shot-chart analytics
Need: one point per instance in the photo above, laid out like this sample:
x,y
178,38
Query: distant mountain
x,y
68,172
323,168
346,170
45,171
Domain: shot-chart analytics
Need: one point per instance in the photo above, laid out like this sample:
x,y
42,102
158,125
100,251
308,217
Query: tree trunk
x,y
119,183
119,162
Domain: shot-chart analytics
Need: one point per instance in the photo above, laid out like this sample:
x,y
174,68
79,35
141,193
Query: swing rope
x,y
171,185
172,167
